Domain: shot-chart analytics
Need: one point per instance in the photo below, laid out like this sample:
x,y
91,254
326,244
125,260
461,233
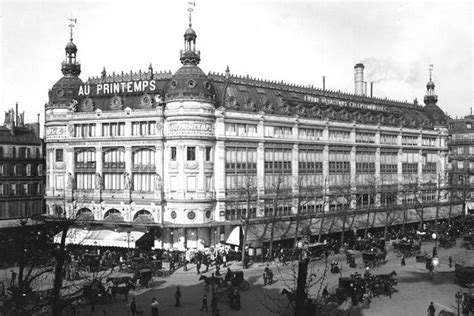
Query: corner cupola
x,y
66,89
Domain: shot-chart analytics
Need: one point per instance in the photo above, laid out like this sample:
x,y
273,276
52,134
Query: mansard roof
x,y
20,136
240,93
250,94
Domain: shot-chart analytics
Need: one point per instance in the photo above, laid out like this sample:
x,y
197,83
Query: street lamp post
x,y
128,243
458,297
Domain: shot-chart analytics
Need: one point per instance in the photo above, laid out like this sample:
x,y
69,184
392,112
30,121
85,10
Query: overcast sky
x,y
294,41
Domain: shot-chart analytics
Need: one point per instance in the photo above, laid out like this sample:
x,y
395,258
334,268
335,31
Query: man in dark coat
x,y
431,310
177,297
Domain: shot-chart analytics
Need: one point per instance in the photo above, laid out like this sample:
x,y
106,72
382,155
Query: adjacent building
x,y
21,169
461,164
202,155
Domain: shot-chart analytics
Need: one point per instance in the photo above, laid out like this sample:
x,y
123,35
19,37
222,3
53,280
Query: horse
x,y
123,290
209,281
291,296
94,293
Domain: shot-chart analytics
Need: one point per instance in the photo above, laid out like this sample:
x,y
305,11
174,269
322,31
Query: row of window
x,y
143,128
20,189
21,170
20,152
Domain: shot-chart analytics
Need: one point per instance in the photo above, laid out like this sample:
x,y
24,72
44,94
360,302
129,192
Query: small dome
x,y
190,83
190,34
71,47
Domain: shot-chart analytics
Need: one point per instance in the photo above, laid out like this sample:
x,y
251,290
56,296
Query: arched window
x,y
85,214
113,215
143,216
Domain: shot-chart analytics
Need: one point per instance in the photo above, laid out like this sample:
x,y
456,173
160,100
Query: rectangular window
x,y
208,153
85,181
113,181
2,189
191,153
367,138
28,170
40,170
460,165
143,182
173,154
59,155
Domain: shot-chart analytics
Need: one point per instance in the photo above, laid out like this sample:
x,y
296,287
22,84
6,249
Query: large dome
x,y
64,91
190,83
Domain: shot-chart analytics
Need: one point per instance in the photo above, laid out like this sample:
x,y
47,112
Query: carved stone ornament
x,y
98,181
70,181
70,129
157,182
87,105
116,103
146,101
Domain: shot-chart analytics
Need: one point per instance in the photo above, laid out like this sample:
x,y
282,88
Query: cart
x,y
239,282
464,275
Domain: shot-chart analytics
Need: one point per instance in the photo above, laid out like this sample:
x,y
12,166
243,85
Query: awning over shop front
x,y
100,237
234,237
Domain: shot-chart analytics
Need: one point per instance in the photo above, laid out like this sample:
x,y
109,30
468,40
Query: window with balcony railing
x,y
409,140
114,158
368,138
85,159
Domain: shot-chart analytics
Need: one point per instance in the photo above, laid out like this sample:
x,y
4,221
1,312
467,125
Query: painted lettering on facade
x,y
118,87
186,127
344,103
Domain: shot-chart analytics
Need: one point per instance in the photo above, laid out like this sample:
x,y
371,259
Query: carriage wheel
x,y
323,256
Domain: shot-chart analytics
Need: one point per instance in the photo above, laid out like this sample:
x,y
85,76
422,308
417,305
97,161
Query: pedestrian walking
x,y
12,281
403,260
133,307
450,262
198,266
431,310
177,297
204,303
154,307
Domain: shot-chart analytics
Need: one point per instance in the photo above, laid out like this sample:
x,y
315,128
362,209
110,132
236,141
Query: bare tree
x,y
246,191
276,195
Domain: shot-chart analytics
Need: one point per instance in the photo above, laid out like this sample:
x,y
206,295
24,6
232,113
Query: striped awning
x,y
100,237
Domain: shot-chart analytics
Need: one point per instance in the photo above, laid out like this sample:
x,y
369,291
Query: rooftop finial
x,y
430,69
190,10
71,25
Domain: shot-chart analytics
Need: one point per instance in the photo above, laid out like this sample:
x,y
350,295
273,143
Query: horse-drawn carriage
x,y
374,257
90,262
237,280
406,249
367,244
463,274
318,251
447,241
